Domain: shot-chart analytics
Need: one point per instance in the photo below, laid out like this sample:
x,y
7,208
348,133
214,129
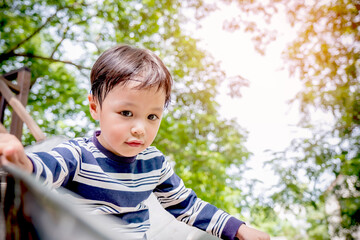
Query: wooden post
x,y
23,82
14,88
19,108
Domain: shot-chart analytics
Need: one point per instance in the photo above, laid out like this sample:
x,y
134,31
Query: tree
x,y
325,56
38,35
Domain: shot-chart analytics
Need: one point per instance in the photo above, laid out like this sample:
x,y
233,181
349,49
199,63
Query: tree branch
x,y
66,31
28,55
59,43
34,33
11,52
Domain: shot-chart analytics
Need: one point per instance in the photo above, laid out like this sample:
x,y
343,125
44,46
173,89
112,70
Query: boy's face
x,y
129,118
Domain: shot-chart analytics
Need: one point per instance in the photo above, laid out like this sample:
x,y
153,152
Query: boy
x,y
116,169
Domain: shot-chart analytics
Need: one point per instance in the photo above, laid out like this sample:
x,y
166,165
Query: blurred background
x,y
265,112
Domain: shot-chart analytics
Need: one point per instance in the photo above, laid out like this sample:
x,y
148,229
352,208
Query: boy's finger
x,y
3,160
9,154
8,151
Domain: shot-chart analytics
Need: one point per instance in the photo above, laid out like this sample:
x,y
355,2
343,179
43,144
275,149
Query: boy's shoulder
x,y
80,141
150,152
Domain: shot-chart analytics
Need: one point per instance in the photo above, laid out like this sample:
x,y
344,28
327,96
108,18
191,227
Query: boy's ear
x,y
94,107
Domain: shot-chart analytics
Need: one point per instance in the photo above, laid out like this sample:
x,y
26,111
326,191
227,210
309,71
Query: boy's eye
x,y
152,117
126,113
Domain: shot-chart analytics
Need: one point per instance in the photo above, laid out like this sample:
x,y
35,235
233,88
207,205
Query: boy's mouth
x,y
134,143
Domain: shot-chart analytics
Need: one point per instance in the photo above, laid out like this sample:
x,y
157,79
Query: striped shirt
x,y
111,184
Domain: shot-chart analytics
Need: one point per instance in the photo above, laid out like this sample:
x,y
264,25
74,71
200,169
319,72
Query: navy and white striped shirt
x,y
111,184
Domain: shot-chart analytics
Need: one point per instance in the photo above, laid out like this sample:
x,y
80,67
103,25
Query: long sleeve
x,y
57,166
111,184
185,206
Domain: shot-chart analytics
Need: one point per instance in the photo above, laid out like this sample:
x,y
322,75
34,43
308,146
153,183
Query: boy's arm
x,y
11,150
185,206
54,168
246,233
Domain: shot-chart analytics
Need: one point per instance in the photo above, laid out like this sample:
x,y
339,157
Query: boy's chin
x,y
129,153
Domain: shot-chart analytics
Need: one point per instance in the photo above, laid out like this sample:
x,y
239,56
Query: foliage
x,y
40,34
325,56
204,147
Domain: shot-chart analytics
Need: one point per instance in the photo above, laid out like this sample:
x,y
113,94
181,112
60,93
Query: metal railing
x,y
32,211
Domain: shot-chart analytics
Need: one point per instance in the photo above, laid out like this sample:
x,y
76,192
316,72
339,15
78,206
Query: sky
x,y
263,110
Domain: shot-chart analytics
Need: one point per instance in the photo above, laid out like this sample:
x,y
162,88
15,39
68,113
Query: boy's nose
x,y
138,130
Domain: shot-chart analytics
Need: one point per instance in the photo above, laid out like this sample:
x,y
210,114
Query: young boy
x,y
116,170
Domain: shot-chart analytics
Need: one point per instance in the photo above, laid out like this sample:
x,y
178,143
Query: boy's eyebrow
x,y
123,103
159,109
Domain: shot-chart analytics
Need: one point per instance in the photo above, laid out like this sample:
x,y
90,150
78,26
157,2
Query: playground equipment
x,y
18,103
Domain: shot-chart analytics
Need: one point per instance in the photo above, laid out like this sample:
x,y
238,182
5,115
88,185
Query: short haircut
x,y
124,63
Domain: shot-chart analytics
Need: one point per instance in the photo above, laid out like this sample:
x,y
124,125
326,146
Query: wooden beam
x,y
21,111
23,82
15,88
12,75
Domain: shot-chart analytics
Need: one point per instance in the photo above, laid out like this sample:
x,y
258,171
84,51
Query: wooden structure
x,y
16,95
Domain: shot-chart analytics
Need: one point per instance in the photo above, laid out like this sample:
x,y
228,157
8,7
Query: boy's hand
x,y
11,150
247,233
